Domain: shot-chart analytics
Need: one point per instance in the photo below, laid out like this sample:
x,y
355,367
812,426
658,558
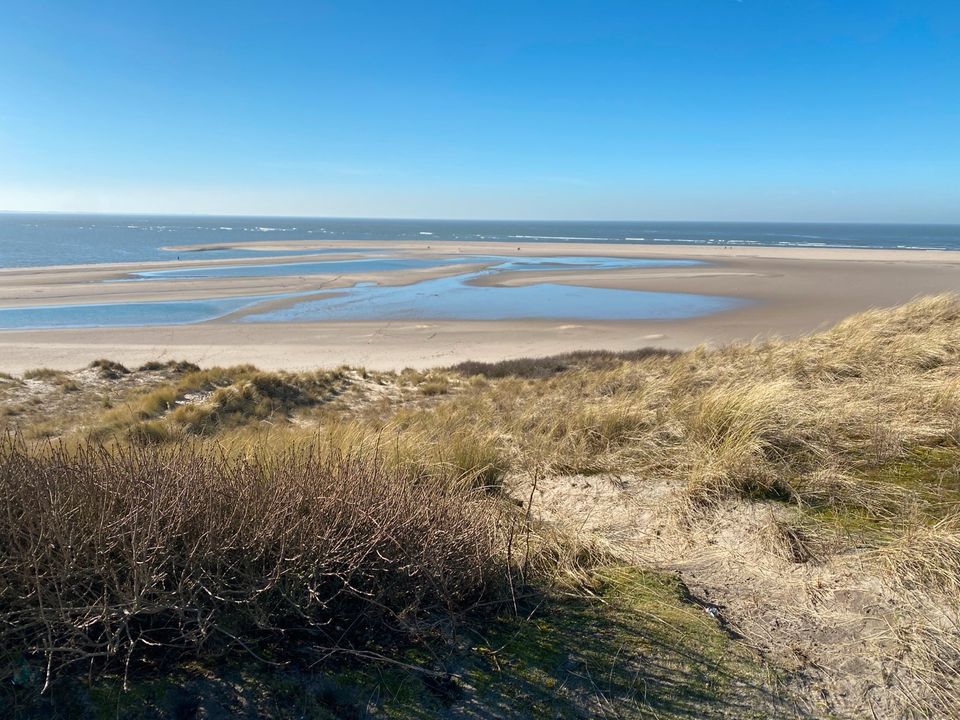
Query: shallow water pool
x,y
448,298
174,312
454,298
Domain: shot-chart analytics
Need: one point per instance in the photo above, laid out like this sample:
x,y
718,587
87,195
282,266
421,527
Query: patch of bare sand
x,y
818,607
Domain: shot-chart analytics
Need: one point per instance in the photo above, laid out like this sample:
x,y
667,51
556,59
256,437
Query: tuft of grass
x,y
125,419
61,379
41,431
47,374
434,387
213,378
150,432
459,457
195,419
177,367
219,399
108,369
926,556
539,368
157,402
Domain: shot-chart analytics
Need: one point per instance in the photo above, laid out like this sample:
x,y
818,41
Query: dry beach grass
x,y
806,491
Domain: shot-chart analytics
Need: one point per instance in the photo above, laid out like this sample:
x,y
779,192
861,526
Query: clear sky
x,y
820,110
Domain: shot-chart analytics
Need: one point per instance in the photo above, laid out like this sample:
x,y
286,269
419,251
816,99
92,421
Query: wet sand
x,y
792,291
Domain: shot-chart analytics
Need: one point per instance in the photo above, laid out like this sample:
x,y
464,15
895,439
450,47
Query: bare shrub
x,y
106,554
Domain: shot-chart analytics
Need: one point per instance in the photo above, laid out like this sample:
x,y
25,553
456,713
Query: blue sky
x,y
844,110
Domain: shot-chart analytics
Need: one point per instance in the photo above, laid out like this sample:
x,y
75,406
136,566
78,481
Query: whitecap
x,y
553,237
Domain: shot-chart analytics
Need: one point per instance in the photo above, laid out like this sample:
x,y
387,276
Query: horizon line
x,y
130,213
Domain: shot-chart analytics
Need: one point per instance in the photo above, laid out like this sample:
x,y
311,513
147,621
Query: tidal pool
x,y
584,262
454,298
172,312
448,298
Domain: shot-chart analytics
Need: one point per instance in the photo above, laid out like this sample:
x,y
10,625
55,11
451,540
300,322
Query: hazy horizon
x,y
413,218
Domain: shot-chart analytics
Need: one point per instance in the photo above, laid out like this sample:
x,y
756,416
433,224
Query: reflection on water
x,y
448,298
454,298
175,312
585,262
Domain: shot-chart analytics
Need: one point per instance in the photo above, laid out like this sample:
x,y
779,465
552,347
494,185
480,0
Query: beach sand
x,y
792,291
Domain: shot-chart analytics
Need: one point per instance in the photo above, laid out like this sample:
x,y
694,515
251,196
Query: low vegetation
x,y
807,491
112,552
108,369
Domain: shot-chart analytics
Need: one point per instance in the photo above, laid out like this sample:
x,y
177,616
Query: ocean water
x,y
34,239
28,239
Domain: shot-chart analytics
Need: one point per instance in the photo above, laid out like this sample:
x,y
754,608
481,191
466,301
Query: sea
x,y
31,239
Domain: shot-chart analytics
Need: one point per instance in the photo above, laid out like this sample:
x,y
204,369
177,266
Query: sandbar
x,y
790,290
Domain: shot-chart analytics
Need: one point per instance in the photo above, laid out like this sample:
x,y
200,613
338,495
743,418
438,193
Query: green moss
x,y
929,475
933,472
641,648
853,520
141,699
637,649
924,485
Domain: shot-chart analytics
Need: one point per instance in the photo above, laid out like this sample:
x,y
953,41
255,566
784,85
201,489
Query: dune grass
x,y
43,374
108,369
816,422
856,429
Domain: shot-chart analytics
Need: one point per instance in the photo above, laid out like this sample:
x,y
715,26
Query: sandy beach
x,y
790,291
